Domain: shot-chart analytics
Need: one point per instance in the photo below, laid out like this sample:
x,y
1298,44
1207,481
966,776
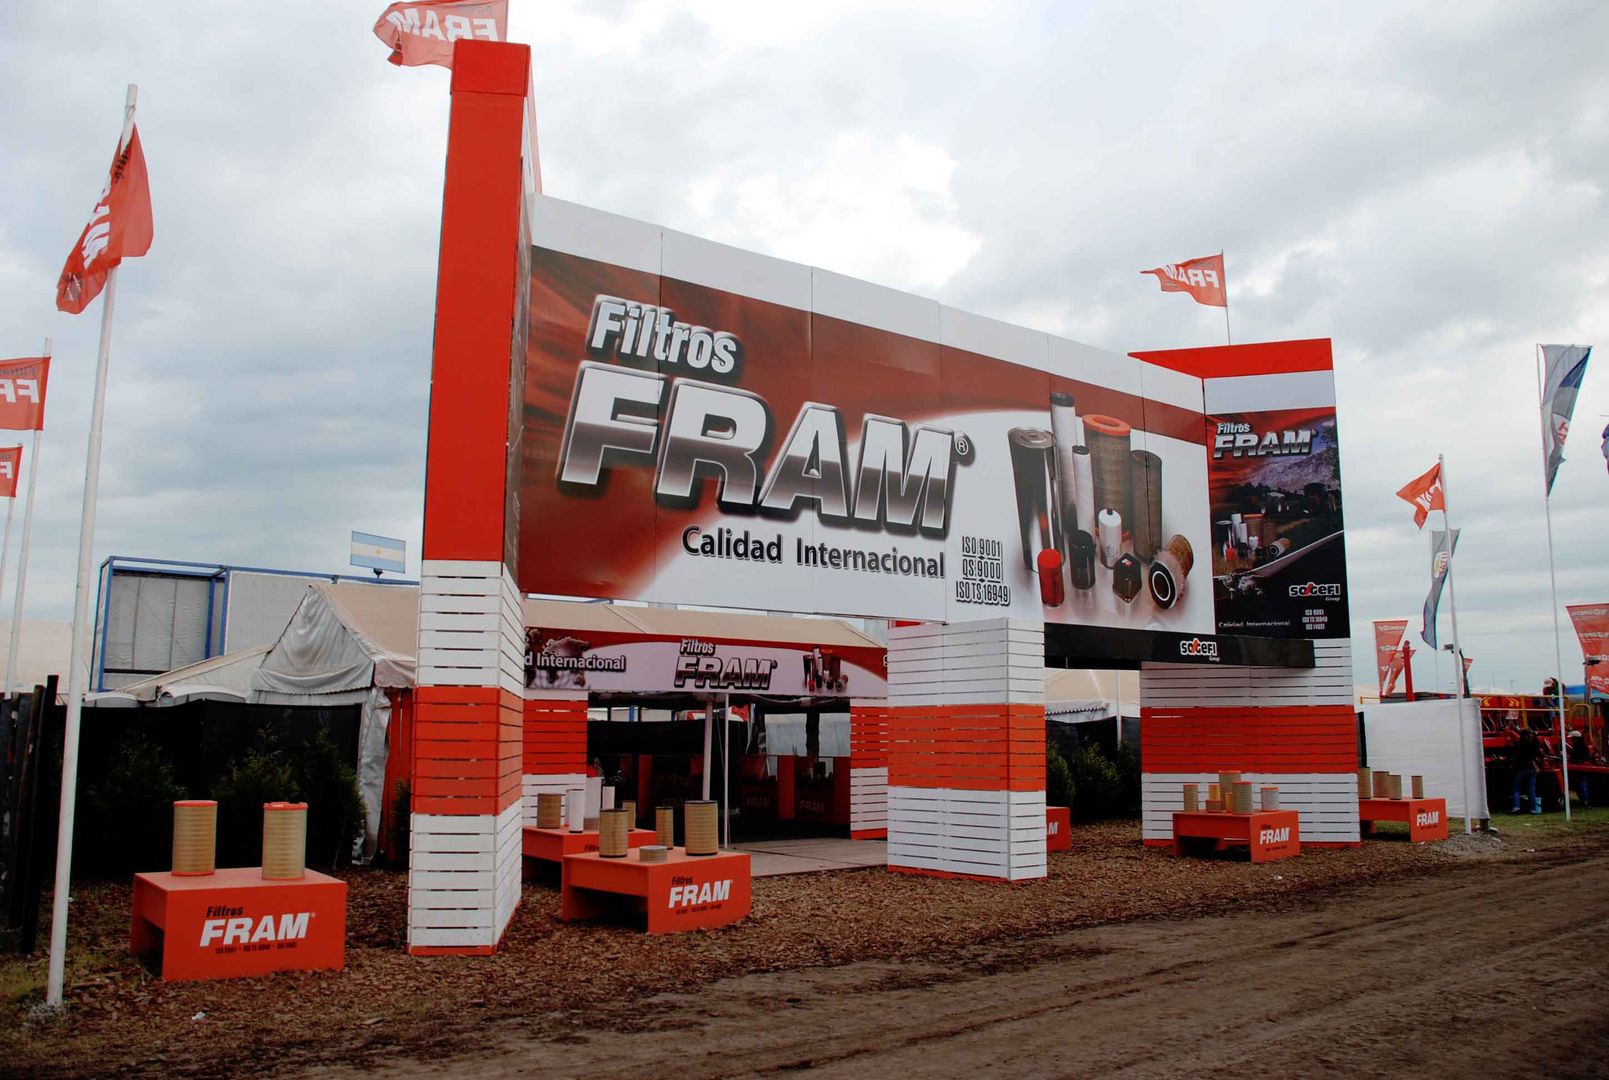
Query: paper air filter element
x,y
652,853
1192,798
700,823
195,837
284,841
1270,796
1365,783
612,831
665,825
1418,784
630,807
1382,784
1108,440
1395,782
549,810
1145,503
1243,799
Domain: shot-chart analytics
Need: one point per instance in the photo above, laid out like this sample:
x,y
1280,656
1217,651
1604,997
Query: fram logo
x,y
1312,588
1053,828
709,892
14,390
1192,275
1427,817
1206,650
243,930
1274,836
427,23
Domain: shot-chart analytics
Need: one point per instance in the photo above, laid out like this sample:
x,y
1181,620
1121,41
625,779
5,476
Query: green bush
x,y
314,773
329,786
127,820
1059,790
401,818
261,776
1097,785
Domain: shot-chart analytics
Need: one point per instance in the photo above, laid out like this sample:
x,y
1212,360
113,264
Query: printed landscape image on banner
x,y
1278,553
707,426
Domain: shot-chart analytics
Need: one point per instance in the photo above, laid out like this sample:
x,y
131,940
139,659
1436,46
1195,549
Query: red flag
x,y
22,393
119,228
10,466
1388,657
1592,628
1202,278
423,31
1424,492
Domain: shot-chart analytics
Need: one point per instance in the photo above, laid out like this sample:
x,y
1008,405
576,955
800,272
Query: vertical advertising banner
x,y
1387,652
1592,629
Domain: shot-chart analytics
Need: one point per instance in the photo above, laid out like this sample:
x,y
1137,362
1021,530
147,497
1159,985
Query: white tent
x,y
220,678
1080,695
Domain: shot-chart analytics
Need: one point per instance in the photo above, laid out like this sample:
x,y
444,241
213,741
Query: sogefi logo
x,y
1314,589
1198,649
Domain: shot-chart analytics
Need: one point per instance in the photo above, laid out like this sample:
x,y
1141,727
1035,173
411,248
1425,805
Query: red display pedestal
x,y
553,845
1058,828
685,892
233,923
1426,818
1266,834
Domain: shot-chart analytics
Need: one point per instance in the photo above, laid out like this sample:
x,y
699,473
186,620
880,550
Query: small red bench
x,y
1058,828
685,892
1426,818
552,845
1266,834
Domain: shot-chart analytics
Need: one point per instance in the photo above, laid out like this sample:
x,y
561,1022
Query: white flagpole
x,y
78,664
5,547
1553,584
22,560
1458,653
1228,338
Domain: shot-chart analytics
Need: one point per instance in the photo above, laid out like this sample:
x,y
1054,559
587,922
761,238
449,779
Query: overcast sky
x,y
1422,183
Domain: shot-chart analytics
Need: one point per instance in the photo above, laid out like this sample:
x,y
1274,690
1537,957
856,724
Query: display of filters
x,y
1065,430
1382,784
612,830
1108,440
1081,559
1192,798
195,837
1110,524
575,809
1270,796
1242,798
652,853
284,841
1365,783
1145,502
550,810
1395,786
1083,490
1033,475
1417,785
1169,569
699,819
1126,575
630,807
665,825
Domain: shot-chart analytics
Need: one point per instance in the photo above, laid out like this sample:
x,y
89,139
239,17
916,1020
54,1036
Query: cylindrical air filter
x,y
630,807
1395,782
1064,429
1110,523
1033,473
550,810
1145,502
1084,489
1226,782
195,837
1278,548
1214,794
1270,797
1192,798
652,853
612,829
699,819
1365,783
1418,784
1051,590
284,841
1108,440
1243,799
1382,784
1215,805
665,825
1081,559
575,809
1169,569
1126,575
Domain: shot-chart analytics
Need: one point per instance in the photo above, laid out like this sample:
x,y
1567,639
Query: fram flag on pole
x,y
1388,657
1563,368
10,467
22,393
1424,492
1592,629
1202,278
423,31
119,228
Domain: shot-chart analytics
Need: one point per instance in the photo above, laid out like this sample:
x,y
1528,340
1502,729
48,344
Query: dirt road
x,y
1407,978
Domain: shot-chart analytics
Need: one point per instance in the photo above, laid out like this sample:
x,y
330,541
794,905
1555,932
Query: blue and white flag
x,y
1564,366
378,552
1442,545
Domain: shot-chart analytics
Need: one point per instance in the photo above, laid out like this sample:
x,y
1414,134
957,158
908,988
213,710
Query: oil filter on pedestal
x,y
1418,784
1382,784
1242,797
699,820
1169,569
1214,794
1033,473
1270,798
612,831
1145,502
195,837
1365,783
1111,536
1215,805
1108,440
665,825
1081,559
1192,798
549,810
1395,782
1065,430
284,841
1051,590
1126,577
652,853
630,807
1083,489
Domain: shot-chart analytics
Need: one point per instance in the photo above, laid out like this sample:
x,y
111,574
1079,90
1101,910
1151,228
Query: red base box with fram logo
x,y
685,892
1426,818
1058,828
1266,834
233,923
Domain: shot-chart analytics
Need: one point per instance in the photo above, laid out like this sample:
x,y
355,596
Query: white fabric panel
x,y
1421,738
317,654
260,607
1326,802
374,724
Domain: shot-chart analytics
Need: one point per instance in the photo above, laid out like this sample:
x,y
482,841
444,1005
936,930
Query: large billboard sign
x,y
708,426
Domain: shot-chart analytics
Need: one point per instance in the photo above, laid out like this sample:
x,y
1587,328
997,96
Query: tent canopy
x,y
1076,694
219,678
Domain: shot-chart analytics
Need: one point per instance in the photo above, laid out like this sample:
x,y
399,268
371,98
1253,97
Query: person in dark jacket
x,y
1526,751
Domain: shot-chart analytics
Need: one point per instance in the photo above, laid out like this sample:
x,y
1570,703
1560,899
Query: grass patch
x,y
1585,821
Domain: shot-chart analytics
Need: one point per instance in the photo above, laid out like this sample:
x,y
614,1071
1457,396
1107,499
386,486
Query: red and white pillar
x,y
555,757
868,769
966,749
469,727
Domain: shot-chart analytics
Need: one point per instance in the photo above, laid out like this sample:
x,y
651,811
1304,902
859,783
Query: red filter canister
x,y
1051,590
